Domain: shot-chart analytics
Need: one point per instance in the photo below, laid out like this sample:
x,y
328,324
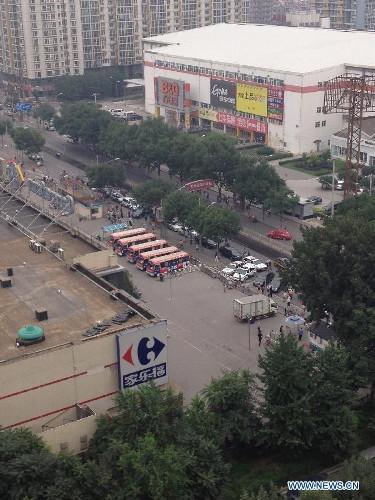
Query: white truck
x,y
255,306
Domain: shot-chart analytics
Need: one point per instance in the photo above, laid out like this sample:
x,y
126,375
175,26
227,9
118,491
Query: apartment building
x,y
347,14
44,39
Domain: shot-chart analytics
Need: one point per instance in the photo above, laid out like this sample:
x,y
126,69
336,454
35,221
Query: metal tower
x,y
352,94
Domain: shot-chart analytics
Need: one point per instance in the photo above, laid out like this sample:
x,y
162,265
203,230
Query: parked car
x,y
175,225
206,242
328,207
265,278
281,262
249,268
137,212
280,234
275,283
258,265
314,199
339,186
231,268
241,274
230,253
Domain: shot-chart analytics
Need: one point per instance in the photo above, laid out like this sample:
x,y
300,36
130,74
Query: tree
x,y
270,494
179,204
336,422
27,140
120,140
287,387
214,223
280,200
106,174
231,400
362,470
44,111
83,121
151,193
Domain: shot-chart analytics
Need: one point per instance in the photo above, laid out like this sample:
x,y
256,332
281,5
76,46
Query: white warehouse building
x,y
257,82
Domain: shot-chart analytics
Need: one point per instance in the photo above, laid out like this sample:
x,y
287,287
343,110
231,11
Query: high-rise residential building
x,y
43,39
347,14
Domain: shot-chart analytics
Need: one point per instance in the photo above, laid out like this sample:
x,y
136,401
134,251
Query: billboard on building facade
x,y
275,104
170,93
251,99
142,355
249,124
222,94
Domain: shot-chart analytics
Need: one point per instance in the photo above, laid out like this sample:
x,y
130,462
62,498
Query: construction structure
x,y
353,95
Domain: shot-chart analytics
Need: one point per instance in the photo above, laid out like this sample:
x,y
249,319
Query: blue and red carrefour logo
x,y
143,351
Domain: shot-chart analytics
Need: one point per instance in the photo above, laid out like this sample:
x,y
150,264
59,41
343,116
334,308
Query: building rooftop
x,y
41,281
298,50
367,128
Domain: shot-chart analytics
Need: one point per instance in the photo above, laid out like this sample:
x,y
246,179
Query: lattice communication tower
x,y
352,94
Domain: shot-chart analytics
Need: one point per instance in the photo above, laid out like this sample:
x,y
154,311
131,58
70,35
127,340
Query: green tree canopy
x,y
111,173
287,387
151,193
214,223
179,204
27,140
362,470
44,111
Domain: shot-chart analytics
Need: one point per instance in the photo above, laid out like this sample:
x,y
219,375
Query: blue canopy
x,y
115,227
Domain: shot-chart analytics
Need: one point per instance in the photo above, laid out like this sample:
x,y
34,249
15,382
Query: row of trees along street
x,y
152,143
300,416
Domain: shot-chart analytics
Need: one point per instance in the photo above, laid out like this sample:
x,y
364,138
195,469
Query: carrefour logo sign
x,y
142,355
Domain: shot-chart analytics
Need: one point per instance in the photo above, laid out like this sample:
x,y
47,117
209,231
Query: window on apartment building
x,y
317,124
324,123
318,110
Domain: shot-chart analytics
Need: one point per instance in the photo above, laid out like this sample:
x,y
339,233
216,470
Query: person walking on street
x,y
181,243
260,335
300,333
288,301
270,291
216,257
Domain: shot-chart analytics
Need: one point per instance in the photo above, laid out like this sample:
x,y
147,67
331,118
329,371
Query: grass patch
x,y
251,473
339,166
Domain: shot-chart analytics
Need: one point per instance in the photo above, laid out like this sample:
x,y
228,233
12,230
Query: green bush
x,y
265,151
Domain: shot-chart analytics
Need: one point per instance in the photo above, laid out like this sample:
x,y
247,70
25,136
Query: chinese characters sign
x,y
170,93
202,184
223,94
142,355
252,99
276,104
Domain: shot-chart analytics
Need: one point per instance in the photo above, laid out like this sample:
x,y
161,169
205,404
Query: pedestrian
x,y
303,313
281,330
288,301
262,288
122,213
33,168
191,240
216,257
259,289
269,263
285,296
197,247
181,243
300,333
153,226
260,335
130,223
270,291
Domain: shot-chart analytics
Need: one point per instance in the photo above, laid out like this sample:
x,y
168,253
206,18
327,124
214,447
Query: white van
x,y
118,112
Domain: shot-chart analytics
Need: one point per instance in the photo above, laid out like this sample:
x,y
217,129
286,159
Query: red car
x,y
280,234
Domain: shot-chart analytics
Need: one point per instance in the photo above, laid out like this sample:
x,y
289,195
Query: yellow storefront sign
x,y
251,99
157,111
187,121
207,114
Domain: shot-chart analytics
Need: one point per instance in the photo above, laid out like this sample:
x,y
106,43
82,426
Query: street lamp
x,y
116,84
95,95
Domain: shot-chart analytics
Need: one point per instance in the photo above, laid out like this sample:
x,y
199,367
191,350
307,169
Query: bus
x,y
114,237
134,251
122,245
144,257
172,262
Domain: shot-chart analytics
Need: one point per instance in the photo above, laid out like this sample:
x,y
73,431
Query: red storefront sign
x,y
243,123
202,184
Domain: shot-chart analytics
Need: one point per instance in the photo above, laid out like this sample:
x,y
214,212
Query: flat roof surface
x,y
41,281
282,48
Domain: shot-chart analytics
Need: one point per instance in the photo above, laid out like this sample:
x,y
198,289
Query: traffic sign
x,y
23,106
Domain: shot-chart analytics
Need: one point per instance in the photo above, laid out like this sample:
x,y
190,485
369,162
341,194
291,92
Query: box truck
x,y
255,306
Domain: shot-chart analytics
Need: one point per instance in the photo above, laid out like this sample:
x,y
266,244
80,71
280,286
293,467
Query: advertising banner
x,y
142,355
251,99
202,184
243,123
207,114
223,94
170,93
276,104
